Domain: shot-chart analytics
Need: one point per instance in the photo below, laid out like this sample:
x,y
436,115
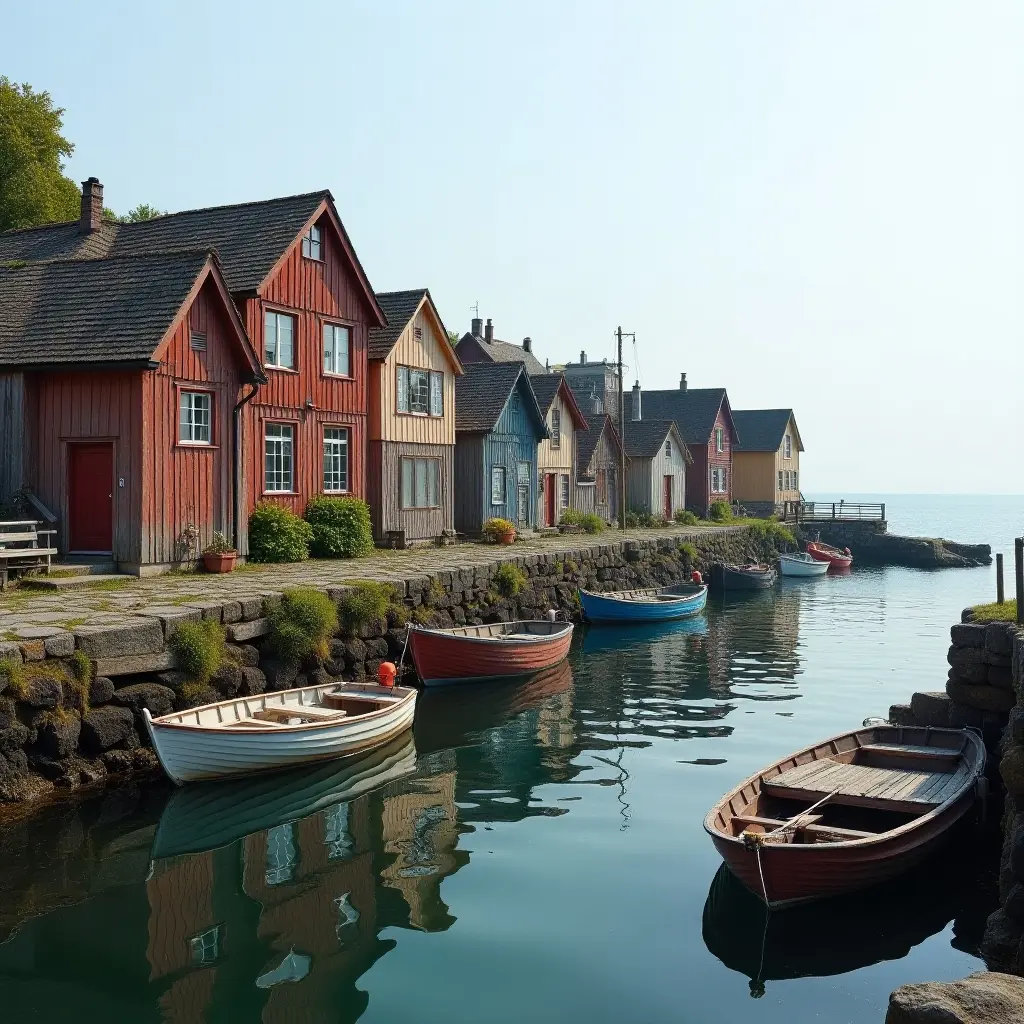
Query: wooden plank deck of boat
x,y
912,790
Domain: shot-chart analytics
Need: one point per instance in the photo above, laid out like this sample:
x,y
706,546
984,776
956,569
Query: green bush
x,y
277,534
720,511
509,579
684,517
771,531
366,602
198,648
589,522
341,527
689,553
303,624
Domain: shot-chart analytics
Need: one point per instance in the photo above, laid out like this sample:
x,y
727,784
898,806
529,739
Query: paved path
x,y
25,608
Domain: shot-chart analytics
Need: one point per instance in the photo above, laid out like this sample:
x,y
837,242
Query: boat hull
x,y
800,567
729,577
833,556
612,608
193,753
443,657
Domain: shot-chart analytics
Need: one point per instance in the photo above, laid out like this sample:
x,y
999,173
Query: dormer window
x,y
668,448
787,447
311,247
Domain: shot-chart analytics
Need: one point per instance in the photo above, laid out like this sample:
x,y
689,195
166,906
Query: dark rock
x,y
58,735
1001,678
301,680
14,736
931,709
968,635
354,651
983,698
253,682
1016,725
280,674
901,714
152,696
248,656
1014,904
1001,940
376,648
999,660
320,677
999,638
42,692
106,727
227,679
197,698
1016,845
983,998
374,628
101,690
117,761
14,762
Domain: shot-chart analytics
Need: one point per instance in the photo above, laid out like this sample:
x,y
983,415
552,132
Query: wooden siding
x,y
584,497
469,482
606,458
705,457
426,352
314,292
638,485
782,464
384,473
645,481
12,433
558,460
754,476
189,484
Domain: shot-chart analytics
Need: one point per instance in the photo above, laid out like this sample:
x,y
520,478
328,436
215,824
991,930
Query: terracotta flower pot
x,y
219,562
507,538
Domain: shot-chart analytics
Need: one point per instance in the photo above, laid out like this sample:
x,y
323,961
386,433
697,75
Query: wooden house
x,y
556,455
705,422
598,451
305,304
498,427
481,346
119,385
766,459
656,471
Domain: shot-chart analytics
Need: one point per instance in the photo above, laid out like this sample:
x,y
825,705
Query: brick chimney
x,y
527,345
477,327
635,408
583,357
682,382
92,206
489,331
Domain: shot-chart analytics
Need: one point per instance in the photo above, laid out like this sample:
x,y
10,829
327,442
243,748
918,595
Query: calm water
x,y
537,855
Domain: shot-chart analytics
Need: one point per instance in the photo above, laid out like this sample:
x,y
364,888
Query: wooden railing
x,y
818,511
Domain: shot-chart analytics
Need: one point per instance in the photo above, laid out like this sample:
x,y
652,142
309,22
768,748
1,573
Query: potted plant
x,y
219,555
499,531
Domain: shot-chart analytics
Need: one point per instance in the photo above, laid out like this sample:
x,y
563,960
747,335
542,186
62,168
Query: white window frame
x,y
336,450
284,454
436,393
205,947
796,482
556,429
408,378
499,495
312,240
719,439
410,470
331,349
782,480
273,359
668,447
787,447
188,425
564,492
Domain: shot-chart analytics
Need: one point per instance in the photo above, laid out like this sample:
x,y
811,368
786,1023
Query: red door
x,y
668,497
91,497
549,498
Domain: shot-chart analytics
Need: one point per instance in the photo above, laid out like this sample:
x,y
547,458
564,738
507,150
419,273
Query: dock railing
x,y
819,511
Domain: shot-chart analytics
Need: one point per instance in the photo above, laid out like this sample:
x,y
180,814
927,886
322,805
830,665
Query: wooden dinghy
x,y
278,730
744,577
497,651
835,558
846,813
653,604
802,564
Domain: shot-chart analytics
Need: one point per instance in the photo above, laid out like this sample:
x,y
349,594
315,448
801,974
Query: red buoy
x,y
695,577
386,673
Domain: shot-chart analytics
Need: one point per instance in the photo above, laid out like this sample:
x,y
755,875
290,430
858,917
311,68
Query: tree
x,y
141,212
453,337
33,186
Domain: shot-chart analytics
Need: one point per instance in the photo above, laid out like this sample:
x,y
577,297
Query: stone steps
x,y
61,583
84,568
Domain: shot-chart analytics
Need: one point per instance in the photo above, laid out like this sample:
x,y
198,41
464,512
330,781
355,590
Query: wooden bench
x,y
287,712
809,825
20,550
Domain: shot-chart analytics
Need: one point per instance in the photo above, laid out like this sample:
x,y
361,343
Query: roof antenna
x,y
475,309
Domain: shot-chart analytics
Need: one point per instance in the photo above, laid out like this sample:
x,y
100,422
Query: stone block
x,y
133,637
101,690
58,736
252,608
42,692
982,698
227,680
171,616
106,727
1001,678
157,699
253,682
10,651
931,708
60,645
982,998
968,634
32,650
1011,768
137,664
1013,907
231,611
999,637
247,630
208,610
246,655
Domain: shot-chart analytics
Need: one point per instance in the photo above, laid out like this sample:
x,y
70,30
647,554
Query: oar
x,y
794,822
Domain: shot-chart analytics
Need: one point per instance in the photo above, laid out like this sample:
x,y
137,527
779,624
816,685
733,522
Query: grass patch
x,y
509,579
366,602
18,676
588,522
199,649
108,585
688,552
70,624
995,612
303,624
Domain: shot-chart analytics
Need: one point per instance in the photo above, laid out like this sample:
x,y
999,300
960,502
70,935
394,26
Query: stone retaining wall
x,y
52,741
871,544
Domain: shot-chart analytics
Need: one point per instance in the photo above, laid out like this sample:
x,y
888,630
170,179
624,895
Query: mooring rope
x,y
408,630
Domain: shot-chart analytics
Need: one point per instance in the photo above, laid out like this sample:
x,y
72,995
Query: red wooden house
x,y
295,289
704,419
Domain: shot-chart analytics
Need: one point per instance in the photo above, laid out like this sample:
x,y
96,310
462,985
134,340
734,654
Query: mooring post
x,y
1018,565
1000,594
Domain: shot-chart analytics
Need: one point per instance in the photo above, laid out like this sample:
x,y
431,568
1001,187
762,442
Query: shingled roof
x,y
643,439
111,311
505,352
546,386
589,438
694,410
762,430
482,393
400,308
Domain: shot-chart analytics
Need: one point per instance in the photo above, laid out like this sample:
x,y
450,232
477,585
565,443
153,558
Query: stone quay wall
x,y
53,742
985,689
872,544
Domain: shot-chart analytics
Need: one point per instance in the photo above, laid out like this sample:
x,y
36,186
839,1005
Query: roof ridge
x,y
322,193
24,264
404,291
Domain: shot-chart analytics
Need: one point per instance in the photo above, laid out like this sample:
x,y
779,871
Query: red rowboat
x,y
826,553
500,650
852,811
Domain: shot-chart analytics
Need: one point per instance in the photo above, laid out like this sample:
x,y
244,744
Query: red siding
x,y
706,456
313,292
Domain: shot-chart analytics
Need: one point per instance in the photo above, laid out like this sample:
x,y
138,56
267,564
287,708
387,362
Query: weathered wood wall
x,y
384,475
513,441
12,433
469,483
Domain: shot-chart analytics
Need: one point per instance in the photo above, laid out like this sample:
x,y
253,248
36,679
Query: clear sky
x,y
815,204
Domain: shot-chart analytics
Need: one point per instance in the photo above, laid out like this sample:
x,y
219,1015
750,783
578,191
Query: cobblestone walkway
x,y
28,612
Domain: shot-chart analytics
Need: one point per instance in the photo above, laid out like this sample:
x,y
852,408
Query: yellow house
x,y
556,454
766,459
410,463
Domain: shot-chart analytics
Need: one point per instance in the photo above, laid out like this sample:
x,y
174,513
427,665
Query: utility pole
x,y
622,431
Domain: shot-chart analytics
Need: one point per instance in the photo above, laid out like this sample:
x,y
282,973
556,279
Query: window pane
x,y
433,483
335,459
419,386
421,483
285,330
403,389
270,338
328,348
407,475
498,485
437,394
341,350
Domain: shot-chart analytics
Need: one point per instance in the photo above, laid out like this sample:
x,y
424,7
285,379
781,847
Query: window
x,y
668,448
279,445
420,392
335,459
194,423
311,243
719,480
724,477
282,854
205,947
781,488
279,340
497,485
796,486
719,439
336,350
787,444
556,428
197,341
421,483
563,496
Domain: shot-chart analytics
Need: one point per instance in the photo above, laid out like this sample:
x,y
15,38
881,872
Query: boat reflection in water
x,y
853,931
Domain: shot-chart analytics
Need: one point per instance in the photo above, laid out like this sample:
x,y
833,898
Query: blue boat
x,y
657,604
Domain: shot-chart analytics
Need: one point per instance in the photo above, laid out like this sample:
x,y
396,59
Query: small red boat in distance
x,y
501,650
826,553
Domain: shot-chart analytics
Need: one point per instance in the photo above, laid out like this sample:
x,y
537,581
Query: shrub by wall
x,y
277,534
198,648
589,522
720,511
341,527
365,603
684,517
303,624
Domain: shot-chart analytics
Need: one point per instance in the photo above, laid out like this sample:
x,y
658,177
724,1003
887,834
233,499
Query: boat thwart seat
x,y
290,711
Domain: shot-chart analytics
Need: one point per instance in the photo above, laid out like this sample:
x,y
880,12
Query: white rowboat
x,y
801,565
244,735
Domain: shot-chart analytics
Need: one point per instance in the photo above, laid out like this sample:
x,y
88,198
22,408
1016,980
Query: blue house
x,y
498,426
